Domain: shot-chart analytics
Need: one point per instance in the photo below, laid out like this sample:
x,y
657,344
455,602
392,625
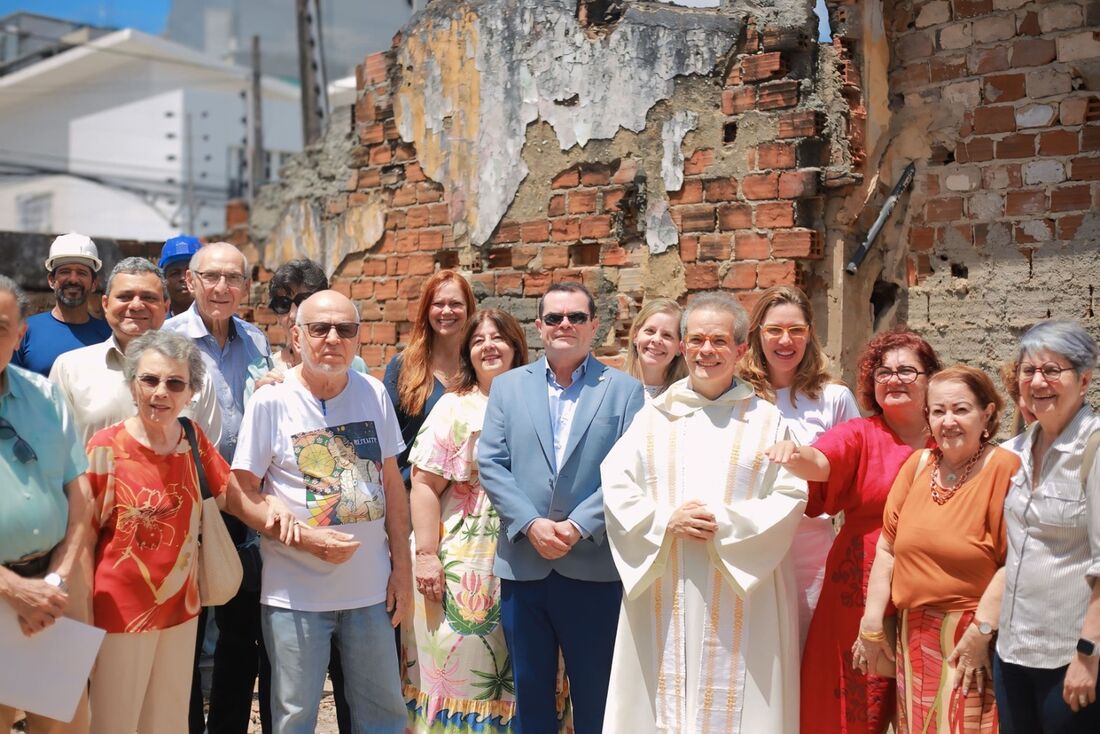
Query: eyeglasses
x,y
905,375
281,304
172,384
321,329
796,332
211,278
23,451
574,317
1051,371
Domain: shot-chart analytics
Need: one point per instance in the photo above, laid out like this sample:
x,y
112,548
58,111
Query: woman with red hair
x,y
417,377
850,468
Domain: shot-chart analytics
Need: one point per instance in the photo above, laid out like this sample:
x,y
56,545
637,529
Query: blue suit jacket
x,y
516,462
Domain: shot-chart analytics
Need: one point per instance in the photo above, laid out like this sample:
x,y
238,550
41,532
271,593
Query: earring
x,y
985,434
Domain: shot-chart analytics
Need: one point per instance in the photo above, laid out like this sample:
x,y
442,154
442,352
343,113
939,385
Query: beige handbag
x,y
220,571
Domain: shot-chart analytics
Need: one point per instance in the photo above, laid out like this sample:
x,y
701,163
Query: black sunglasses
x,y
321,329
23,451
172,384
281,304
575,317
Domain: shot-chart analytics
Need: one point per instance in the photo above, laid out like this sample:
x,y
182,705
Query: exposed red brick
x,y
1022,203
738,100
611,199
625,173
998,119
988,60
1068,226
1028,24
404,196
596,227
506,232
699,161
427,193
413,173
581,201
799,124
974,150
417,216
1025,236
431,239
715,247
910,76
949,209
1016,146
380,155
775,155
567,179
774,214
689,248
734,216
1071,198
777,95
421,265
921,238
946,69
720,189
1033,52
509,284
361,289
1085,168
760,186
522,255
595,175
971,8
691,192
536,231
796,243
740,276
372,134
701,276
557,205
798,184
1090,138
536,284
695,218
1005,87
614,256
776,272
1006,176
930,183
763,66
565,229
751,246
555,256
1058,142
374,68
438,214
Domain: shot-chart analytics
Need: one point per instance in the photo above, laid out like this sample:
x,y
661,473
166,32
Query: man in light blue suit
x,y
548,426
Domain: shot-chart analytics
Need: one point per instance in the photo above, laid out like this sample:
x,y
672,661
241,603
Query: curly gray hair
x,y
171,345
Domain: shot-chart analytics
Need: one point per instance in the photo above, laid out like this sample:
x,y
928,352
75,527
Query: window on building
x,y
35,212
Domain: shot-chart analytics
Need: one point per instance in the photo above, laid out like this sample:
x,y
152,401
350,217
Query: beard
x,y
71,301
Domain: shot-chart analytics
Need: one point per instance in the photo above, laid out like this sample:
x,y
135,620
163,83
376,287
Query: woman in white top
x,y
653,354
784,364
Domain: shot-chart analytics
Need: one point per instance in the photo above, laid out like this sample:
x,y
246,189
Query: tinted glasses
x,y
321,329
172,384
22,450
575,317
281,304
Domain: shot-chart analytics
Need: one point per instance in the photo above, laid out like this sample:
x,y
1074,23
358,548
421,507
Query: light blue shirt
x,y
228,366
563,404
34,509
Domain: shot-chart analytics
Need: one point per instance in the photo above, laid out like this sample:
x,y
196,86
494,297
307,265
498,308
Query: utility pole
x,y
311,68
189,173
255,127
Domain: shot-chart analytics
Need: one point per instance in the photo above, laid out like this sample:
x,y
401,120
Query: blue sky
x,y
145,15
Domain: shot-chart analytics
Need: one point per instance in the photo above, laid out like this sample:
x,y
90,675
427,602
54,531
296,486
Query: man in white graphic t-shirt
x,y
336,553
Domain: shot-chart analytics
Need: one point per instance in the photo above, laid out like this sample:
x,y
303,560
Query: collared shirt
x,y
92,383
228,366
34,509
1053,549
563,404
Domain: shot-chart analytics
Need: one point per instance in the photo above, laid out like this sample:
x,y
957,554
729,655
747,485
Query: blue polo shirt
x,y
34,510
47,338
228,366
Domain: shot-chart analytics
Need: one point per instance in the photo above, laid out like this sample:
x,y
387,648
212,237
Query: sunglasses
x,y
281,304
22,450
172,384
574,317
321,329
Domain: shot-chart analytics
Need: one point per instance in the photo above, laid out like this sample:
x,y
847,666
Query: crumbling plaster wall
x,y
661,152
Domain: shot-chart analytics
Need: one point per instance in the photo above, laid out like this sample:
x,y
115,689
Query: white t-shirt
x,y
324,460
810,418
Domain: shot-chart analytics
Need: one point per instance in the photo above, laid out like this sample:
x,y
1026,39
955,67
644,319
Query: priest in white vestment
x,y
699,523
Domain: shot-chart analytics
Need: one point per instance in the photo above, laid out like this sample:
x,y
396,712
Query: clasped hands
x,y
552,540
329,545
692,520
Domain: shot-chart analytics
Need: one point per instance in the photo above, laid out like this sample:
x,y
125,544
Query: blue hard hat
x,y
178,248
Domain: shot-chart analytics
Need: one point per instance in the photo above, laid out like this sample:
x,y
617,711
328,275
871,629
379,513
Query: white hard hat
x,y
73,248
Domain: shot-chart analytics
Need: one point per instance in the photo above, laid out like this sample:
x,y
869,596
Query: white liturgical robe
x,y
708,633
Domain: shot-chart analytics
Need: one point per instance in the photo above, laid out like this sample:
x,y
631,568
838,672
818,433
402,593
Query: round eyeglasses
x,y
904,375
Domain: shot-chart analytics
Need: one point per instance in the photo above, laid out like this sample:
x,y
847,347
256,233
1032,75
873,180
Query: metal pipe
x,y
887,208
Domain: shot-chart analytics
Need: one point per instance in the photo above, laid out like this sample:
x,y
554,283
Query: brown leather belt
x,y
30,566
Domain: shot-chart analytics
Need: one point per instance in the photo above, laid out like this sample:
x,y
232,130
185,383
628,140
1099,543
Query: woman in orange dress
x,y
940,559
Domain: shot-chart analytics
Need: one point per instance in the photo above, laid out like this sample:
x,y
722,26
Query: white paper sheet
x,y
47,672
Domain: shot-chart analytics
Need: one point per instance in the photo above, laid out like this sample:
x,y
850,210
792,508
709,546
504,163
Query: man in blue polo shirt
x,y
72,267
45,507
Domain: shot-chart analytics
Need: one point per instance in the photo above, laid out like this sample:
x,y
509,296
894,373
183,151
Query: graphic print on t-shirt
x,y
342,470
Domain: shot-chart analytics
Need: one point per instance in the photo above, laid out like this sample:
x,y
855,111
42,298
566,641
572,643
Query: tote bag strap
x,y
189,430
1087,457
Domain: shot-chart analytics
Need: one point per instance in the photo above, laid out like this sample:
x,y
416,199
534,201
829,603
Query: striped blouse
x,y
1053,548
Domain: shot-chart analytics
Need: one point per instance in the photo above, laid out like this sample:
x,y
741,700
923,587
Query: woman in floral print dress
x,y
458,674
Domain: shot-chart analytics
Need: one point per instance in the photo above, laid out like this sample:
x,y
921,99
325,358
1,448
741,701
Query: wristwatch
x,y
984,628
1088,648
55,580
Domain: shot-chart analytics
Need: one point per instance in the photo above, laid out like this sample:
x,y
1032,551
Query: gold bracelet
x,y
871,636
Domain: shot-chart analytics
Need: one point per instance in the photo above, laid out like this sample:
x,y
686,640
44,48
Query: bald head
x,y
220,250
329,300
326,331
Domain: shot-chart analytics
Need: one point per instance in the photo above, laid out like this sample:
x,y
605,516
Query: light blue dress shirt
x,y
34,509
563,404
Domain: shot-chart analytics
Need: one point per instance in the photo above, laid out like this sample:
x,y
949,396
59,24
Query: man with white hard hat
x,y
72,267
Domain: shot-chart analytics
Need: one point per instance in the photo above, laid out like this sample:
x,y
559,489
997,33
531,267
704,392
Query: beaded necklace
x,y
941,494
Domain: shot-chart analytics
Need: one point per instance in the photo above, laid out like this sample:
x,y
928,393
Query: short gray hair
x,y
196,259
723,303
7,285
1067,338
136,266
171,345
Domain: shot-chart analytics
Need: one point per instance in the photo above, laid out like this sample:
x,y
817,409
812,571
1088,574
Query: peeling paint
x,y
301,233
475,74
660,231
672,135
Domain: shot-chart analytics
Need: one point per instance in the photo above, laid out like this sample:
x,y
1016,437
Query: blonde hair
x,y
677,368
812,373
